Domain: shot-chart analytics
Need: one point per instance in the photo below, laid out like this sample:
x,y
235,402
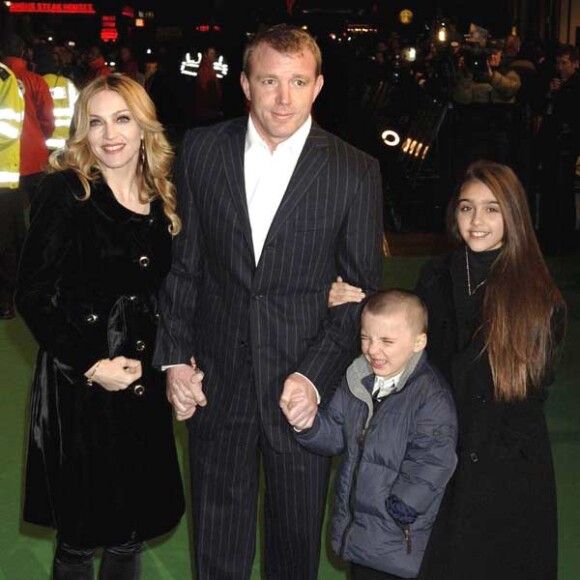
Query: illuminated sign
x,y
190,65
208,28
128,12
109,32
52,7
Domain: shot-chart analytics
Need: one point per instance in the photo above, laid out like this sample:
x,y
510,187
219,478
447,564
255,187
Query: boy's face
x,y
388,342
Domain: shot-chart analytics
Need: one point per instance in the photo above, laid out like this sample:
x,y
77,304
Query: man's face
x,y
388,342
565,66
281,89
495,59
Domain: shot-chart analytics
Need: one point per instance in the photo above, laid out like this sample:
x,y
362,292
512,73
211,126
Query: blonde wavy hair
x,y
157,155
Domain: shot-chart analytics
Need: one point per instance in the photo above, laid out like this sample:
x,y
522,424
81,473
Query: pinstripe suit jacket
x,y
229,312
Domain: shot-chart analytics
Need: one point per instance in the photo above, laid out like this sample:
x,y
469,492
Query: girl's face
x,y
479,219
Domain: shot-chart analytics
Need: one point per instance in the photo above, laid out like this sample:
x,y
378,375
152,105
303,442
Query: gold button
x,y
144,261
139,390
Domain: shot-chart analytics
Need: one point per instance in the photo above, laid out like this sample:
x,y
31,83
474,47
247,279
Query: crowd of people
x,y
236,280
502,99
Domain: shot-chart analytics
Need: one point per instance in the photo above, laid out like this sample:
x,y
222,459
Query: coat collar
x,y
360,378
104,201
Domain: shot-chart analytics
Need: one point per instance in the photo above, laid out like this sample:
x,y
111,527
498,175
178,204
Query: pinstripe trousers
x,y
225,508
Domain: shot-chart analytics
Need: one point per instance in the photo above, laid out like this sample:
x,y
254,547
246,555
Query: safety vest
x,y
11,120
64,95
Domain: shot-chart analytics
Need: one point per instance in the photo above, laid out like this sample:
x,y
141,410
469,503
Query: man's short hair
x,y
286,39
14,45
568,50
398,300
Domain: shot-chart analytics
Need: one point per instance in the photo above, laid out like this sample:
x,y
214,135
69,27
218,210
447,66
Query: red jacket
x,y
38,117
98,68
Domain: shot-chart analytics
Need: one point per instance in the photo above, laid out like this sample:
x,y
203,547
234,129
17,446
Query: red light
x,y
109,34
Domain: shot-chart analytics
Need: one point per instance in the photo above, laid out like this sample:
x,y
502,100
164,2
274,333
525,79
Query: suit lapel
x,y
313,157
233,163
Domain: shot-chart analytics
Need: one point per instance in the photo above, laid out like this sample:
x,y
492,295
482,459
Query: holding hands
x,y
299,401
185,389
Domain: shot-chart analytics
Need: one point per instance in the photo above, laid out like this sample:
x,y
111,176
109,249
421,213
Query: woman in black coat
x,y
102,467
496,320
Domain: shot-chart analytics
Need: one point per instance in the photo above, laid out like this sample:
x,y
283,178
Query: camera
x,y
475,59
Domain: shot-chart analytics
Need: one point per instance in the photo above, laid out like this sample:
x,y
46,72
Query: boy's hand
x,y
299,402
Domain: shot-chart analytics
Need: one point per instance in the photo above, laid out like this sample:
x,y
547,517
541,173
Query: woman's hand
x,y
342,293
115,374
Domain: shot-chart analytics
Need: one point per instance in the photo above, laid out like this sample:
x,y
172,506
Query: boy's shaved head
x,y
398,300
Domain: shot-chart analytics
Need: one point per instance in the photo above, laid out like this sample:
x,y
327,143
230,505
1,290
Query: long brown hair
x,y
156,159
520,296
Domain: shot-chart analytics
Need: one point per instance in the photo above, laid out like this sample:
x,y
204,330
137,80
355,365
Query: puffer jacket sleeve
x,y
326,436
430,457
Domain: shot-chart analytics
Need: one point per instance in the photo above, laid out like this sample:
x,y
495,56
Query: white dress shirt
x,y
267,174
384,387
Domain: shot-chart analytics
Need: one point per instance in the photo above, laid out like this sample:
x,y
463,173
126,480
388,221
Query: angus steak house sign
x,y
52,7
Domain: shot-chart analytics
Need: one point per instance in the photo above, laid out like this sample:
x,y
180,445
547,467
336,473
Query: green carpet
x,y
26,551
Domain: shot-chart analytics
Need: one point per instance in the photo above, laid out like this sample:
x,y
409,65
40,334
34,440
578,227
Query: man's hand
x,y
185,390
298,401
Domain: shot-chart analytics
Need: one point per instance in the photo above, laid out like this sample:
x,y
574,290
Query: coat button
x,y
473,456
144,262
481,398
139,346
91,318
139,390
132,298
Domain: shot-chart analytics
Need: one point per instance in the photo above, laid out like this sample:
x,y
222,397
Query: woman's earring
x,y
142,152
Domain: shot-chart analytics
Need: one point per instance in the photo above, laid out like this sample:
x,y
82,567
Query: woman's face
x,y
114,135
479,218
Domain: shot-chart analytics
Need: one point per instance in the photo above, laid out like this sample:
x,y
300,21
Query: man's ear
x,y
420,342
319,83
245,82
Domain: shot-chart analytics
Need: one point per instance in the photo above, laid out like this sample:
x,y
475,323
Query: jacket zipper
x,y
361,441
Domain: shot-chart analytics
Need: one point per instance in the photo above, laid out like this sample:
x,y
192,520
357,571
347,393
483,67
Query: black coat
x,y
498,517
101,464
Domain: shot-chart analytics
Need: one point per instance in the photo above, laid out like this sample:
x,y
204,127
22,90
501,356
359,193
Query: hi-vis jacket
x,y
64,94
11,120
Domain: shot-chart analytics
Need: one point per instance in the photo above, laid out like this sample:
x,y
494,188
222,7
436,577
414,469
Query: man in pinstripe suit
x,y
273,209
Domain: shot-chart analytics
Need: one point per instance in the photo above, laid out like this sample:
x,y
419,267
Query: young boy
x,y
393,420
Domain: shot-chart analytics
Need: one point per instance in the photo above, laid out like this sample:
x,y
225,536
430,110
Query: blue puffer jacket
x,y
406,449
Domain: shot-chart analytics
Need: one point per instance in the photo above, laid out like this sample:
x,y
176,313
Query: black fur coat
x,y
101,465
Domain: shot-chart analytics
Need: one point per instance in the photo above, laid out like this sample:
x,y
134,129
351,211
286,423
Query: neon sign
x,y
52,7
109,32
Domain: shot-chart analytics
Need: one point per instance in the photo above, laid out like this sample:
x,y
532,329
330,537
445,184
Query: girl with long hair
x,y
496,324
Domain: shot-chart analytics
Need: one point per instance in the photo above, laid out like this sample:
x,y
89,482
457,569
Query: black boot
x,y
64,569
120,566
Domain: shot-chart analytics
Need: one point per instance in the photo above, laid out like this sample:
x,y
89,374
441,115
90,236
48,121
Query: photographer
x,y
559,147
485,97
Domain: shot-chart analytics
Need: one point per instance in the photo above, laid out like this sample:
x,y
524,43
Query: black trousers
x,y
122,562
225,473
364,573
